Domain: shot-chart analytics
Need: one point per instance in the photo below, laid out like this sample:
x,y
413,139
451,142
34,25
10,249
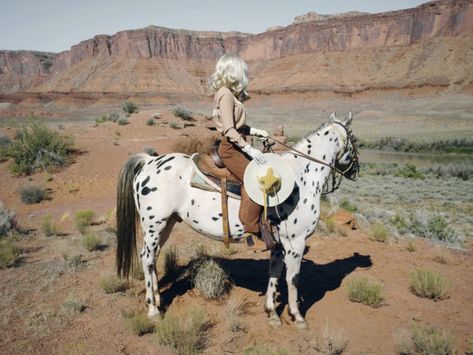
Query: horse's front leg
x,y
276,266
293,260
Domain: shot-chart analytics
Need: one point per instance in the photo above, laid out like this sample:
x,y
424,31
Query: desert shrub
x,y
7,220
151,151
233,312
83,219
112,284
409,171
101,119
331,341
263,349
5,142
129,107
150,122
330,225
210,279
378,232
33,193
113,116
462,170
348,206
139,323
433,227
400,223
368,292
429,284
91,241
171,260
73,305
122,121
36,147
9,252
186,336
48,226
429,341
456,145
174,125
182,113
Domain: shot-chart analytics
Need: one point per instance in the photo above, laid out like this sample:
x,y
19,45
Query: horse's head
x,y
347,157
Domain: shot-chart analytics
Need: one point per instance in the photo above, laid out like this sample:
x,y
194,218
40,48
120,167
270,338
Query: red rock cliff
x,y
397,46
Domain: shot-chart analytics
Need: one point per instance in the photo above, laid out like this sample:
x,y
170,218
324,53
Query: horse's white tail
x,y
126,216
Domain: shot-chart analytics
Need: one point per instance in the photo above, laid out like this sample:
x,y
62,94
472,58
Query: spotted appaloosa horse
x,y
158,191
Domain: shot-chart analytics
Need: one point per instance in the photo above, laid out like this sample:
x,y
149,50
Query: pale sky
x,y
56,25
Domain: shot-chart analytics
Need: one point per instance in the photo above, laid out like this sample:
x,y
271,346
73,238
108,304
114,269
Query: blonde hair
x,y
231,72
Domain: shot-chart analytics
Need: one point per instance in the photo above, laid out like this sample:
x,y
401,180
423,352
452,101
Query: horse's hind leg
x,y
276,266
155,235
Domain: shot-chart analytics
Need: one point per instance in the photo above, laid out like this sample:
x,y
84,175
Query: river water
x,y
419,160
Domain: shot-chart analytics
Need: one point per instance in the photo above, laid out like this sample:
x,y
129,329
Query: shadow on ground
x,y
251,274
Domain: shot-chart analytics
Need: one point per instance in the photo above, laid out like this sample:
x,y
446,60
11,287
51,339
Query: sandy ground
x,y
33,292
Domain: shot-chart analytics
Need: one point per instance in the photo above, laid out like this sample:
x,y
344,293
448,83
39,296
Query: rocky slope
x,y
426,45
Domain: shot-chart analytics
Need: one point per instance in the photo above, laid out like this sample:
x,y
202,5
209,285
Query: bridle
x,y
350,172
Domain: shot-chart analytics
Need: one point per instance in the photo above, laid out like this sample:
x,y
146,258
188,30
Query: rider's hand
x,y
255,154
258,132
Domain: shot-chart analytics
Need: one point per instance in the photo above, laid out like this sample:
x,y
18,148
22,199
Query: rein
x,y
333,167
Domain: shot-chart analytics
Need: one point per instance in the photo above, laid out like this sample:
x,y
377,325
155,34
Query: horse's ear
x,y
332,117
347,121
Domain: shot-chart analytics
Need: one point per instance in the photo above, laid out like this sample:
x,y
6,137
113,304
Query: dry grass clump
x,y
171,260
49,227
263,349
129,107
91,241
424,340
429,284
209,278
73,305
363,290
7,220
84,219
9,252
33,193
112,284
75,263
183,113
192,144
186,336
331,341
330,225
139,323
233,313
378,232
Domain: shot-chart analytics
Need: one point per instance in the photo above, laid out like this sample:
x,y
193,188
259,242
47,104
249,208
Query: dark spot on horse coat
x,y
149,208
295,220
295,280
196,222
148,300
192,202
146,190
326,133
215,218
305,200
323,157
187,214
312,207
164,162
168,167
145,181
151,217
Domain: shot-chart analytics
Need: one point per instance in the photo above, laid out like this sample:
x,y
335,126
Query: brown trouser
x,y
236,161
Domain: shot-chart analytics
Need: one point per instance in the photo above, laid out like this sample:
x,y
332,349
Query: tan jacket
x,y
229,116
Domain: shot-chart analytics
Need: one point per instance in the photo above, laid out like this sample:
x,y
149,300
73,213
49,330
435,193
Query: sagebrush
x,y
37,147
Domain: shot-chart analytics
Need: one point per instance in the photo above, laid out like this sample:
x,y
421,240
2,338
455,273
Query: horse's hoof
x,y
301,324
154,313
275,322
